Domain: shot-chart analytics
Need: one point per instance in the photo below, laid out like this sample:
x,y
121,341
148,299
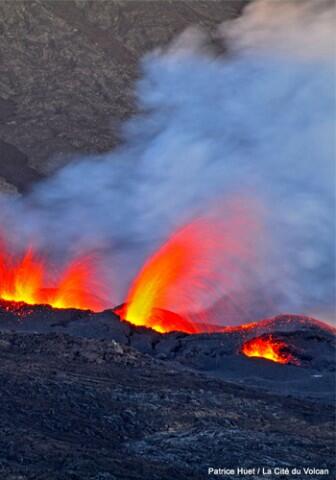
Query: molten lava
x,y
198,262
162,321
28,279
269,348
151,295
207,258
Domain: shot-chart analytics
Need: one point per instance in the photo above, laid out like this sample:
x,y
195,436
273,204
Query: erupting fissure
x,y
270,348
28,278
200,261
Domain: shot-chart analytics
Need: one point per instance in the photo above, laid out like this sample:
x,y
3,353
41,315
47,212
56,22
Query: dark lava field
x,y
88,396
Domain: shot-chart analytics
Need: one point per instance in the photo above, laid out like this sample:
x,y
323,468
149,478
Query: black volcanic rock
x,y
14,167
89,409
68,69
215,354
7,110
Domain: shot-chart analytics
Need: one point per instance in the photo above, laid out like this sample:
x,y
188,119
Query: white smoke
x,y
258,121
304,28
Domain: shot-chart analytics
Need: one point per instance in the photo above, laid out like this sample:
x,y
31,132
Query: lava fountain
x,y
28,278
204,259
269,348
201,260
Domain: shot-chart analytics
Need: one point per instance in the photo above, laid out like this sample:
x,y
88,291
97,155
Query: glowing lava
x,y
158,280
161,320
209,257
199,261
28,279
269,348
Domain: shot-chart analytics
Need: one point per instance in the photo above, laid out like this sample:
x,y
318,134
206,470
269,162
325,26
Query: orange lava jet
x,y
27,279
201,260
269,348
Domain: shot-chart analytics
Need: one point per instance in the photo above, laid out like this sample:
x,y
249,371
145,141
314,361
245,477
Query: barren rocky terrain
x,y
68,70
92,409
89,396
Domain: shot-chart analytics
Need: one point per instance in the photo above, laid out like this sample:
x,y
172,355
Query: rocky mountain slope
x,y
68,71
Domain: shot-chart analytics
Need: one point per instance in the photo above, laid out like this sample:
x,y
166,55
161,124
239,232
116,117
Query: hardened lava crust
x,y
88,396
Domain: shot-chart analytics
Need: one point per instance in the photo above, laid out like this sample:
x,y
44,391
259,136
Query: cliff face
x,y
67,72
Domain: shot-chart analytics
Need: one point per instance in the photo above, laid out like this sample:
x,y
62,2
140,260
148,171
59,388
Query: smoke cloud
x,y
257,122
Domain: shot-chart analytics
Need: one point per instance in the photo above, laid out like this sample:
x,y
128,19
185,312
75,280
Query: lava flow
x,y
28,279
269,348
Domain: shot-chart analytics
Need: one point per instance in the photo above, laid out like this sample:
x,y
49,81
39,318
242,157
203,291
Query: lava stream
x,y
270,348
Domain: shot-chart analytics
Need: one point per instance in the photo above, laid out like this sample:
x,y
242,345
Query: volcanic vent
x,y
30,278
267,346
203,258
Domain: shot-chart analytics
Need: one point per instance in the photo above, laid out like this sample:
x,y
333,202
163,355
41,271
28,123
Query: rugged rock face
x,y
218,355
15,169
68,67
74,408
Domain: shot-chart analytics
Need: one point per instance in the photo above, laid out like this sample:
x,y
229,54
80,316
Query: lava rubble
x,y
90,397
